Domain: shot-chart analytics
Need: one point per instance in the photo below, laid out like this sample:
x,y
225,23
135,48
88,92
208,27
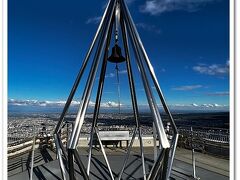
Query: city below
x,y
207,133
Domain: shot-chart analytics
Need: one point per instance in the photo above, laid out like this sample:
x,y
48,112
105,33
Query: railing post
x,y
32,160
22,163
193,157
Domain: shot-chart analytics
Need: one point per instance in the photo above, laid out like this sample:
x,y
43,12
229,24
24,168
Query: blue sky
x,y
187,42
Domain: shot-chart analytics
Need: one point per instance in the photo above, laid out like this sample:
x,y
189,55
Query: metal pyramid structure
x,y
116,15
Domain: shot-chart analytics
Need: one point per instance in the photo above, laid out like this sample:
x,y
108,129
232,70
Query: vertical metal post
x,y
32,159
193,155
22,163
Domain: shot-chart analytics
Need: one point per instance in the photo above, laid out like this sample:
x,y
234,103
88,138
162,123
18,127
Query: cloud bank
x,y
112,104
36,103
213,69
148,27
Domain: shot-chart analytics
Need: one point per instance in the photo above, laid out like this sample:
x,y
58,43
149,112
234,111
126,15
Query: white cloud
x,y
94,20
110,104
13,102
178,105
194,106
155,7
148,27
123,71
213,105
113,104
110,75
187,88
91,103
218,94
213,69
217,105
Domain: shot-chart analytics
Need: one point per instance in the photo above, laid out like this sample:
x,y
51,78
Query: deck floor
x,y
208,167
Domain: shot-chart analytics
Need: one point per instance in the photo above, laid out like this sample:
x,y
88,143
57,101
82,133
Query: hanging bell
x,y
116,56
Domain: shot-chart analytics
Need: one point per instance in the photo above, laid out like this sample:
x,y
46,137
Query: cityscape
x,y
84,95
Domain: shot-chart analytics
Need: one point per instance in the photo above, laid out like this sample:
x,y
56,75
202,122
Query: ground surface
x,y
46,167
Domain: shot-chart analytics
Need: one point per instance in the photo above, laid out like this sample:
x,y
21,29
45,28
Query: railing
x,y
210,141
215,135
18,145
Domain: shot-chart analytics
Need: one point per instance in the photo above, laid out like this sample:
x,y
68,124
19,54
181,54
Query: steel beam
x,y
151,70
132,91
59,155
80,165
71,164
61,146
79,76
32,158
88,88
156,166
159,125
172,154
104,154
90,150
99,94
159,91
165,165
150,97
128,154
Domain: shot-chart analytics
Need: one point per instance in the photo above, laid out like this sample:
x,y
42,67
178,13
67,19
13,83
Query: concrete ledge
x,y
147,142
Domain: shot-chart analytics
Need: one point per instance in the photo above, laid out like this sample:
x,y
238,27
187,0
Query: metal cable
x,y
118,89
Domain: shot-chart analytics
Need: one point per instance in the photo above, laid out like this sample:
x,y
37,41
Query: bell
x,y
116,56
